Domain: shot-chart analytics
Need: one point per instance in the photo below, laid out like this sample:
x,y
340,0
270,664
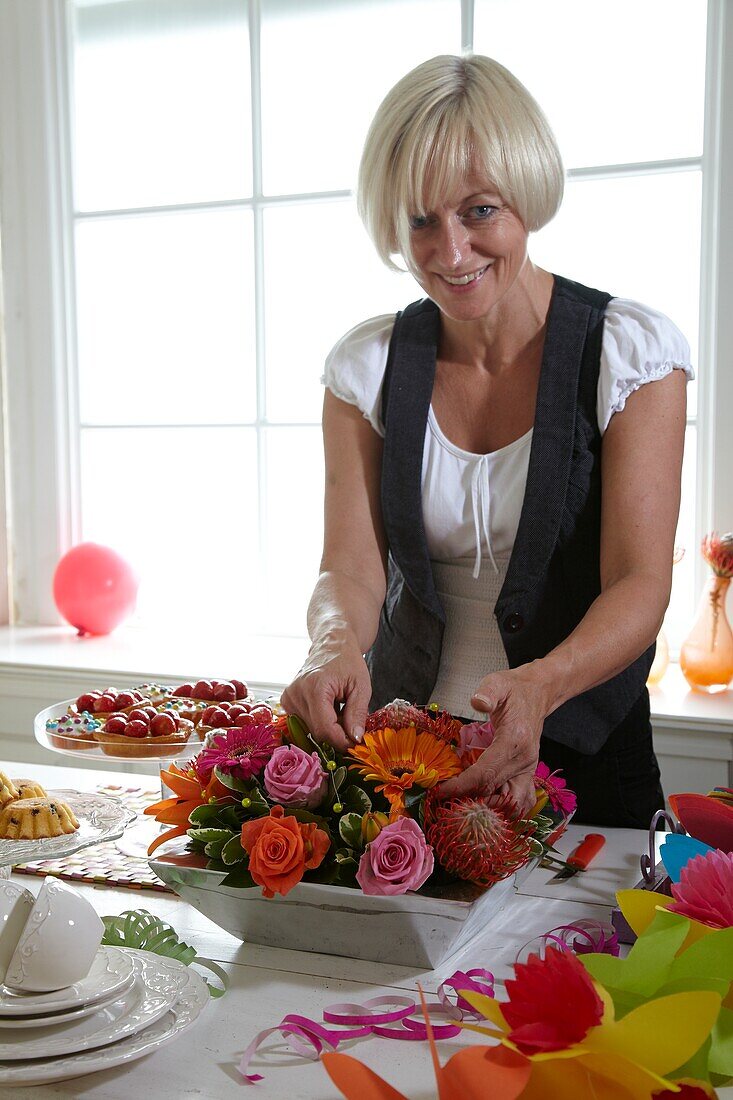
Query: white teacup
x,y
58,943
15,908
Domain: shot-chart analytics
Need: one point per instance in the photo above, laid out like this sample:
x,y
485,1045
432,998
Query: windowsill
x,y
266,663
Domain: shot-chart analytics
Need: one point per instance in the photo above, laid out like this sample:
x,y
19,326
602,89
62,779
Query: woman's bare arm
x,y
343,615
642,460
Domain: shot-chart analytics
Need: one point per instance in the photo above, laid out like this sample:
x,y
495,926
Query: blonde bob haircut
x,y
449,118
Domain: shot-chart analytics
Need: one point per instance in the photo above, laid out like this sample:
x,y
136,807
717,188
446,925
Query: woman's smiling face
x,y
468,252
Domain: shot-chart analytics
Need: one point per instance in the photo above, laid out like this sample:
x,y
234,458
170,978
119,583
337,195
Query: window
x,y
189,251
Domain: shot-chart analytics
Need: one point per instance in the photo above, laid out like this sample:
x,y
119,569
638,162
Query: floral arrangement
x,y
271,807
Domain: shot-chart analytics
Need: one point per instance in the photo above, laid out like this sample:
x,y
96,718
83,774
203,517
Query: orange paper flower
x,y
281,849
401,759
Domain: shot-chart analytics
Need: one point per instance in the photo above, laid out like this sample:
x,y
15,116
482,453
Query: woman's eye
x,y
481,213
417,221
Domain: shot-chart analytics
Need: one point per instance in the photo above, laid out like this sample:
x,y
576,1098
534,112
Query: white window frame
x,y
38,459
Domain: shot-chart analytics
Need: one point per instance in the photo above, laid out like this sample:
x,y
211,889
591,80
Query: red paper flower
x,y
552,1003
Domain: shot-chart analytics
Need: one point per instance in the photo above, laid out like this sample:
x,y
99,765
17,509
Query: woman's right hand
x,y
331,694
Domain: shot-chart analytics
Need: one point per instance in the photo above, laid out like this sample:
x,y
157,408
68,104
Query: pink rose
x,y
472,740
295,778
400,859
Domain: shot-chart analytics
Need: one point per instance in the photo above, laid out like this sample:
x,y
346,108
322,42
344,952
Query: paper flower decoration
x,y
705,890
401,759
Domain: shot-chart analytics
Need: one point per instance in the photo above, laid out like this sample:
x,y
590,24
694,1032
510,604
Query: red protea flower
x,y
478,839
445,726
397,715
552,1003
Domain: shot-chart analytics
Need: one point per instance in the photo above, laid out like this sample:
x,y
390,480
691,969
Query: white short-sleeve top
x,y
472,503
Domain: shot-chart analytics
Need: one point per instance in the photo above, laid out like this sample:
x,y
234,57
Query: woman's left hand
x,y
517,706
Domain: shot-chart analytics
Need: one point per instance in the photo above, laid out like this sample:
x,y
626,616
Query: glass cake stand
x,y
100,818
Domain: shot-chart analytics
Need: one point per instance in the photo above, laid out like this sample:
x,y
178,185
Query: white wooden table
x,y
267,983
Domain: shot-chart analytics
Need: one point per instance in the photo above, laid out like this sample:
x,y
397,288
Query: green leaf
x,y
298,734
355,799
233,852
350,830
232,817
206,836
214,848
338,776
205,814
239,877
241,786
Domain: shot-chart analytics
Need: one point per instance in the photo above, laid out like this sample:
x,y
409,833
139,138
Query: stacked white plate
x,y
130,1003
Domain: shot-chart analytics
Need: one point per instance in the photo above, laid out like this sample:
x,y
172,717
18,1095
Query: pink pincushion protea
x,y
479,839
241,752
558,793
705,890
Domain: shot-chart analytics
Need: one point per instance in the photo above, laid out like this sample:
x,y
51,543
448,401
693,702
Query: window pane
x,y
637,237
161,106
342,282
325,69
619,83
178,503
293,526
681,610
165,318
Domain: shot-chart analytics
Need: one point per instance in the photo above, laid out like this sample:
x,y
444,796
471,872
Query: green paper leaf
x,y
712,955
647,966
233,852
720,1060
697,1066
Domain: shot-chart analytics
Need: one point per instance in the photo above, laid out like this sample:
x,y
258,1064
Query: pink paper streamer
x,y
389,1017
583,937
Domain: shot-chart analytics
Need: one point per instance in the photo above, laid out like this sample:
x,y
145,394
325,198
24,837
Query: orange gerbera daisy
x,y
401,759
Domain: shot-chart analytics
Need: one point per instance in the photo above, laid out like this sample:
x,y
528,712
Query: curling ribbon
x,y
140,929
389,1017
583,937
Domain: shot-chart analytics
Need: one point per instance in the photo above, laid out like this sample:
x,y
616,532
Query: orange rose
x,y
281,850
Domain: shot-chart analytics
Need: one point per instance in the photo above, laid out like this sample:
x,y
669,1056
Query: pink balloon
x,y
94,588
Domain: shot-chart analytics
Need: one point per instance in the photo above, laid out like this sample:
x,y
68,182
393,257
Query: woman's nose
x,y
453,244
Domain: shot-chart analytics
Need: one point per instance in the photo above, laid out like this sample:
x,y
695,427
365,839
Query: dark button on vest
x,y
554,569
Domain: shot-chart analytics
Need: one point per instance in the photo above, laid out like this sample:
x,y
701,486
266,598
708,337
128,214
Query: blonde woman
x,y
502,465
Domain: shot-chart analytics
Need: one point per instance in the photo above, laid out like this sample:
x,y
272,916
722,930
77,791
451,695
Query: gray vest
x,y
554,571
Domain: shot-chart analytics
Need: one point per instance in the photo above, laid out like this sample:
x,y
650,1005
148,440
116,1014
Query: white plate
x,y
100,818
191,1002
48,1018
110,972
157,986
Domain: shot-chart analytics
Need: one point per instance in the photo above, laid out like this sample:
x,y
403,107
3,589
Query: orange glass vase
x,y
706,657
